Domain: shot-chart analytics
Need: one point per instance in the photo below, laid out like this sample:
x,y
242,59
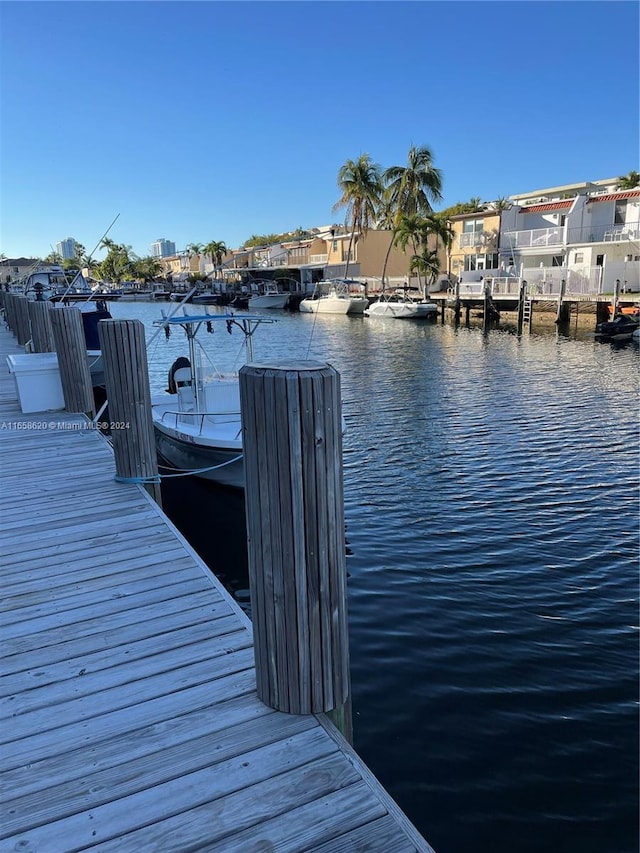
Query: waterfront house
x,y
475,241
585,234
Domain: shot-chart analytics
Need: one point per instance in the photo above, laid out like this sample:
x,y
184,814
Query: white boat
x,y
269,296
196,420
401,307
337,296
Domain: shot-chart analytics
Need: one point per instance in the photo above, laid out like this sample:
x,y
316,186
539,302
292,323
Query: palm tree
x,y
216,250
361,187
413,187
629,182
412,229
410,190
427,263
193,249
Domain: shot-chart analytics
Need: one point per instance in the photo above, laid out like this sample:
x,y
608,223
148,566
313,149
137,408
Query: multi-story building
x,y
587,235
66,248
163,248
475,241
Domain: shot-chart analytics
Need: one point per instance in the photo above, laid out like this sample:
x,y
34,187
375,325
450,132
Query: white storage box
x,y
37,378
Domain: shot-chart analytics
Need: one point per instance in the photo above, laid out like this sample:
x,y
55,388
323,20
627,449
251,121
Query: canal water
x,y
491,498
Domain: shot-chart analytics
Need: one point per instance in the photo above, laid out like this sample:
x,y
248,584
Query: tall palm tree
x,y
193,249
412,229
360,183
216,249
426,263
410,190
628,182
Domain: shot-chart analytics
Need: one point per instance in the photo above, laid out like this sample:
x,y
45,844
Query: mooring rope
x,y
156,478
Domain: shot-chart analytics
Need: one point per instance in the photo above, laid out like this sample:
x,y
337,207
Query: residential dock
x,y
130,715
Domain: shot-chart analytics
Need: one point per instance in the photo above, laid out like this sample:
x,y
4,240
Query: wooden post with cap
x,y
292,439
126,376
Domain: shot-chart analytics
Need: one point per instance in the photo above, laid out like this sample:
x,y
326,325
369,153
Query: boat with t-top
x,y
336,296
197,421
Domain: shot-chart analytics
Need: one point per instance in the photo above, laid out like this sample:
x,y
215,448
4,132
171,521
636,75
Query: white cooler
x,y
37,378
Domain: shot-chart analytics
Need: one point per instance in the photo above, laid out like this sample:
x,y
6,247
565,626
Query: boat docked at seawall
x,y
336,296
400,307
267,295
197,420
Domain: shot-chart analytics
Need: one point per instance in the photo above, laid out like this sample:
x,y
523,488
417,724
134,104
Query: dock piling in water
x,y
292,435
127,382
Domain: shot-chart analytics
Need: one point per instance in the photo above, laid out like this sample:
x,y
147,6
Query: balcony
x,y
472,239
534,238
318,259
605,233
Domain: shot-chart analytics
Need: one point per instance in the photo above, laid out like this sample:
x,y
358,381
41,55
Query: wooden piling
x,y
42,339
562,315
22,329
70,344
9,311
292,437
126,375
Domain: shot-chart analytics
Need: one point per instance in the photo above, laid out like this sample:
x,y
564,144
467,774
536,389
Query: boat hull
x,y
226,468
278,300
334,305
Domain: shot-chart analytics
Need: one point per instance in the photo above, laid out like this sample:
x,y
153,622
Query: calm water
x,y
491,495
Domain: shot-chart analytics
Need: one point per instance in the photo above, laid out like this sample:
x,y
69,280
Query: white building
x,y
66,248
163,248
586,234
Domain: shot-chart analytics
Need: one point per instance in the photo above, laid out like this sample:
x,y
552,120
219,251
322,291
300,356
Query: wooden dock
x,y
130,720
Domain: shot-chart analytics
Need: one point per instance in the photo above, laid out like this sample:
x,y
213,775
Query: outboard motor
x,y
177,365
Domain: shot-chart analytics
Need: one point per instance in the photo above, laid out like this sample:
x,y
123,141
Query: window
x,y
599,260
557,261
579,258
620,216
563,219
473,226
481,262
335,245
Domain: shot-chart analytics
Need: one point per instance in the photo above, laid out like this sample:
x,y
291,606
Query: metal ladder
x,y
526,311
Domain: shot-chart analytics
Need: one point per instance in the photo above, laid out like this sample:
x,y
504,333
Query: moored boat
x,y
401,307
197,421
337,296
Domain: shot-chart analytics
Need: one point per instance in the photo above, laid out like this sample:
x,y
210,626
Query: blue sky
x,y
199,121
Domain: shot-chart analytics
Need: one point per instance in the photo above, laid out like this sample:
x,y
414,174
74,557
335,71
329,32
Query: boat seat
x,y
183,377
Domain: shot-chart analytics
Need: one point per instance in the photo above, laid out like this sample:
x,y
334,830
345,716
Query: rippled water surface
x,y
491,496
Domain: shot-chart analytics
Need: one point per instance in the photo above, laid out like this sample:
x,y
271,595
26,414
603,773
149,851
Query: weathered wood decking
x,y
130,720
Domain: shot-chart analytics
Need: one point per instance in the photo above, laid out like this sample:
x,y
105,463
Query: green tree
x,y
118,264
628,182
146,268
426,263
193,249
216,250
410,191
361,187
411,229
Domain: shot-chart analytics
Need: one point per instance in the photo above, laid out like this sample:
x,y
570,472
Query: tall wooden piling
x,y
292,435
126,376
42,339
22,329
9,311
562,315
70,344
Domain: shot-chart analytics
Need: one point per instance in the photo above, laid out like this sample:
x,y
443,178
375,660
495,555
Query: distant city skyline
x,y
162,248
241,146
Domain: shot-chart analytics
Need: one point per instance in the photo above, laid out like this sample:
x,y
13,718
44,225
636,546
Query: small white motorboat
x,y
401,307
268,295
197,421
337,296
